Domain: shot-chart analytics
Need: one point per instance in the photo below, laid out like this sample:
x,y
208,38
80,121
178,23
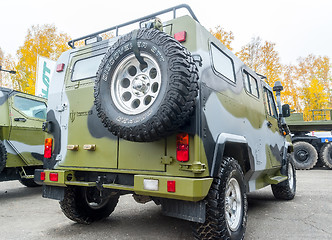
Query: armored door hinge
x,y
196,167
167,160
61,107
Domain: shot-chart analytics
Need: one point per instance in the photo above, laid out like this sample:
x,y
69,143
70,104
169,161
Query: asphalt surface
x,y
24,214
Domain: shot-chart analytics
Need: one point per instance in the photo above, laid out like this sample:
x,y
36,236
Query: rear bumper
x,y
187,189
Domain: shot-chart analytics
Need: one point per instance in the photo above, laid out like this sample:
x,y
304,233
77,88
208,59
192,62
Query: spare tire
x,y
3,156
146,101
304,156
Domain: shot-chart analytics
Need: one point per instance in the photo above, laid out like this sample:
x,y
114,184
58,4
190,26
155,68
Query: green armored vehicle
x,y
166,113
21,135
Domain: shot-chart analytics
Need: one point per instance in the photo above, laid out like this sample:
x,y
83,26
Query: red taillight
x,y
181,36
54,177
42,176
48,148
182,147
60,67
170,186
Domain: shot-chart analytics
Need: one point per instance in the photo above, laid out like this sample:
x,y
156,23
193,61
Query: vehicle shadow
x,y
11,192
146,224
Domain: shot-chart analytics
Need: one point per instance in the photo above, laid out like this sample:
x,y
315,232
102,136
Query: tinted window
x,y
30,107
250,83
86,68
222,63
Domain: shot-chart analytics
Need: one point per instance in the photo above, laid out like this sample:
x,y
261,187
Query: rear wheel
x,y
326,155
226,209
85,204
304,156
3,156
28,182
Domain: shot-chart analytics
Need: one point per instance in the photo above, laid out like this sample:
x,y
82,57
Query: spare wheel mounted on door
x,y
146,86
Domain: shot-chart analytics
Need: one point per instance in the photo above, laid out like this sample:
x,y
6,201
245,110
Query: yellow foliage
x,y
40,40
225,37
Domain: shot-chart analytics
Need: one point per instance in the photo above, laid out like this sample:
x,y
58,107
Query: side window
x,y
222,63
250,83
270,103
30,107
86,68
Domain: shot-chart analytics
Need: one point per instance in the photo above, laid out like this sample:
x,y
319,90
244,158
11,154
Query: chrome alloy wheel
x,y
290,176
233,204
134,86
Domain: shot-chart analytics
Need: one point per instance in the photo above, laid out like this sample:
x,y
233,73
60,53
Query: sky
x,y
298,27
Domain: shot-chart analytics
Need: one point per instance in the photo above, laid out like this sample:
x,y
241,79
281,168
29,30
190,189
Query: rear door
x,y
96,146
27,114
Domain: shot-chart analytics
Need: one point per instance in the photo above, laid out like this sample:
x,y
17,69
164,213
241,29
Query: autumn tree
x,y
223,36
40,40
1,62
313,74
262,58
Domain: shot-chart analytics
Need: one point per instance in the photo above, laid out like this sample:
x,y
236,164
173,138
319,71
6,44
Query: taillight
x,y
181,36
48,148
60,67
54,177
170,186
42,176
182,147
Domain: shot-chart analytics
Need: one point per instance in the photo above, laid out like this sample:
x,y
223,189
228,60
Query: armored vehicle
x,y
166,113
21,135
312,139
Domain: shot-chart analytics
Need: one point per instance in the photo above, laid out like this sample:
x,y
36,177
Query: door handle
x,y
20,120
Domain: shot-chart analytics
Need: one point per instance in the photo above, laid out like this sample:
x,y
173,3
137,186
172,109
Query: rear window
x,y
222,63
86,68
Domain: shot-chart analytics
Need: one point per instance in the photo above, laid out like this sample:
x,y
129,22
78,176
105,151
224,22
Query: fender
x,y
219,149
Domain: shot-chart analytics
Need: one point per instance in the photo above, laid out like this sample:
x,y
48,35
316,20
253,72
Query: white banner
x,y
45,68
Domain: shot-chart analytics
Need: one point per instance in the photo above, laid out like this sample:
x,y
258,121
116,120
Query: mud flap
x,y
53,192
190,211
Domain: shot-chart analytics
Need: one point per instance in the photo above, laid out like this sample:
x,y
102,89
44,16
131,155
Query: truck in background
x,y
312,139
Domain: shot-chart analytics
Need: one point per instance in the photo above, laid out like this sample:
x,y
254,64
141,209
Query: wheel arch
x,y
231,145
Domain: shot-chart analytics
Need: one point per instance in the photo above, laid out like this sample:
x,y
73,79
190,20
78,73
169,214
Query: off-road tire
x,y
326,155
28,182
304,156
175,95
216,225
286,190
3,156
75,207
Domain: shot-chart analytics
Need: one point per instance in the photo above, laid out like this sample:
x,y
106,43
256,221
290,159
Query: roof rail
x,y
116,28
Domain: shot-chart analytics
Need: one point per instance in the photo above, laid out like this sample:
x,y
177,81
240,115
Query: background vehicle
x,y
171,116
21,135
311,144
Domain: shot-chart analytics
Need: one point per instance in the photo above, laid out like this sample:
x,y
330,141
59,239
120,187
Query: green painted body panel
x,y
20,133
105,155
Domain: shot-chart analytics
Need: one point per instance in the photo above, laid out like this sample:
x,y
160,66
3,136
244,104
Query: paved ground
x,y
24,214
